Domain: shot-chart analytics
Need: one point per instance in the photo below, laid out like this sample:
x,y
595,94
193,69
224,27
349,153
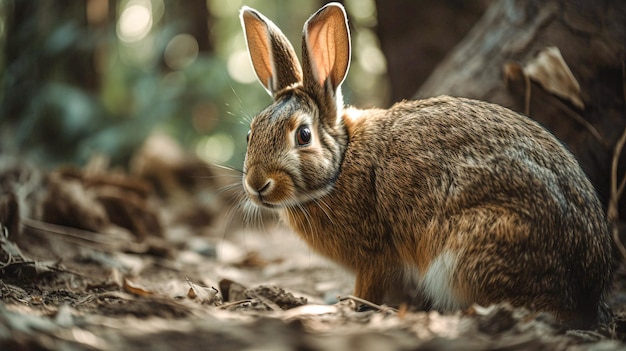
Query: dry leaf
x,y
550,71
201,294
231,290
513,71
70,204
136,289
115,278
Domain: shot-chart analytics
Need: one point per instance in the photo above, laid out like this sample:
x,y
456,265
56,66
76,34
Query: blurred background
x,y
97,77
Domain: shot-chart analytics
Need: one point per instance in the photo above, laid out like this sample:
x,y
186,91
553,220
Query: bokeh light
x,y
216,148
369,55
240,67
362,11
135,22
181,51
221,8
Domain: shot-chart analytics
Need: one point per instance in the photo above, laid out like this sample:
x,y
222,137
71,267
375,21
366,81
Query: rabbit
x,y
442,203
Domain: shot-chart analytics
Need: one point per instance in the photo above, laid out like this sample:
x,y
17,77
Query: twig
x,y
35,265
594,132
620,189
368,303
74,235
617,191
235,303
568,112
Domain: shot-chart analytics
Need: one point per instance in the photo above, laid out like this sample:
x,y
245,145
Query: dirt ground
x,y
161,257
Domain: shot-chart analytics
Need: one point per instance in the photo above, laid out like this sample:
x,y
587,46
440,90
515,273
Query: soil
x,y
161,257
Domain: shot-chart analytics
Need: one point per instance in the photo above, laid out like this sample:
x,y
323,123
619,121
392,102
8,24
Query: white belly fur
x,y
436,283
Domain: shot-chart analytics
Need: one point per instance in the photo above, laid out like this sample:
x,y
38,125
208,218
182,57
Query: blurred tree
x,y
48,49
67,19
22,74
88,77
193,17
71,86
415,35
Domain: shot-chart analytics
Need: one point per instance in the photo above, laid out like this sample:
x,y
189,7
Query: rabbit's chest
x,y
437,282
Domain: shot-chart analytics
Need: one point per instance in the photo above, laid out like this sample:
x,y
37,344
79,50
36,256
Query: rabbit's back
x,y
486,202
467,152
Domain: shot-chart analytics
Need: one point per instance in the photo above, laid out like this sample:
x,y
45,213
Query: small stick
x,y
368,303
269,303
617,190
234,303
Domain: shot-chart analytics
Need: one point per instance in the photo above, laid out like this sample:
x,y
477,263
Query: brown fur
x,y
385,193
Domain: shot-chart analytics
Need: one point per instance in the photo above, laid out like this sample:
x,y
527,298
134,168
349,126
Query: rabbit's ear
x,y
273,57
326,50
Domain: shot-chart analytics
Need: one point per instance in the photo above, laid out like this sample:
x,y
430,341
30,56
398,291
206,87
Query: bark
x,y
489,65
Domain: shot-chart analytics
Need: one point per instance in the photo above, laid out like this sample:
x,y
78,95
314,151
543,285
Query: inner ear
x,y
327,45
273,57
257,39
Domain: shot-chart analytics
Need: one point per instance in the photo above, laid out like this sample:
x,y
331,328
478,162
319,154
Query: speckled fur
x,y
492,197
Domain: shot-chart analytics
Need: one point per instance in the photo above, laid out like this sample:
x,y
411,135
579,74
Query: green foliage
x,y
73,87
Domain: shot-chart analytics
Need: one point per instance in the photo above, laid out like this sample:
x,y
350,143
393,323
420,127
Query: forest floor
x,y
158,258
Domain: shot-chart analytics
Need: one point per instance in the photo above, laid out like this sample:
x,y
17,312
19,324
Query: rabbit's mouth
x,y
261,201
276,189
269,189
269,205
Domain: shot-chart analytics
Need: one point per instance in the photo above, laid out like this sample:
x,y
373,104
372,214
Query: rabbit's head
x,y
296,145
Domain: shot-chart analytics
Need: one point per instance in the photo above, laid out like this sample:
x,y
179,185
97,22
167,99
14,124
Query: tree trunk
x,y
195,21
415,35
76,62
33,58
22,72
496,62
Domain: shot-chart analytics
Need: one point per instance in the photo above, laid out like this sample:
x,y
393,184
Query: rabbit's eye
x,y
248,137
303,135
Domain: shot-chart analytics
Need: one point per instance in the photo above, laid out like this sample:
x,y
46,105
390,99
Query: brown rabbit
x,y
442,202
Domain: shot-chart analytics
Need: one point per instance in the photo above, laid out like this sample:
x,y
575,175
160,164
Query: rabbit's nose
x,y
258,185
265,188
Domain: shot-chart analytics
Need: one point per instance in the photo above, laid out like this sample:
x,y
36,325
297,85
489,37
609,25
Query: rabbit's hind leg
x,y
504,257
